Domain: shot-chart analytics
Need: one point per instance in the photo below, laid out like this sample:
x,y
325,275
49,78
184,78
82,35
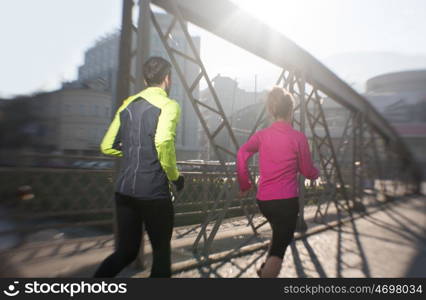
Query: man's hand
x,y
179,183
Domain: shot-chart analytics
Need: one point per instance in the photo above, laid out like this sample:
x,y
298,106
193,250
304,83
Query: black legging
x,y
158,216
282,215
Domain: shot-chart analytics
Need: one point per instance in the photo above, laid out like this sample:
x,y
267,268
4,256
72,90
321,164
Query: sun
x,y
277,14
302,21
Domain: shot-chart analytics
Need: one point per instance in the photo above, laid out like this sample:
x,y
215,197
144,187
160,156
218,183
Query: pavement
x,y
389,241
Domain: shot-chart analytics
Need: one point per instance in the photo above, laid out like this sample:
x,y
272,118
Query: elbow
x,y
111,151
241,158
241,151
163,143
106,149
107,152
103,149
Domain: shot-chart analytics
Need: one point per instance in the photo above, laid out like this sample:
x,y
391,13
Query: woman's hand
x,y
243,194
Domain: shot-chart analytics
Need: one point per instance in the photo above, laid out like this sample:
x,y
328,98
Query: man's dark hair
x,y
155,70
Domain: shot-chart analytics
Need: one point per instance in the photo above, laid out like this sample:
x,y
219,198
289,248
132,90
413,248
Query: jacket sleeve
x,y
306,166
244,153
111,143
165,139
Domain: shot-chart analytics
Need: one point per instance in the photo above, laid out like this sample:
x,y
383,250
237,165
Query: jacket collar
x,y
155,90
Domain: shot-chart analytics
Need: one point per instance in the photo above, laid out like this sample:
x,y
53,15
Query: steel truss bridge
x,y
376,151
367,164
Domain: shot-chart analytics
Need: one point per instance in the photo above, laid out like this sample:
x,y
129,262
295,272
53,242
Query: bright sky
x,y
43,41
326,27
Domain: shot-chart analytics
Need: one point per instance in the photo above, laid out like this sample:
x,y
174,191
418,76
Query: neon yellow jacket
x,y
143,120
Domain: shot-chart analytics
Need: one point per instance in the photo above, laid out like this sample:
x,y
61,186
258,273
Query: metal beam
x,y
226,20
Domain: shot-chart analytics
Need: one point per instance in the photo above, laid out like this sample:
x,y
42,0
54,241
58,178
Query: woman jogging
x,y
283,153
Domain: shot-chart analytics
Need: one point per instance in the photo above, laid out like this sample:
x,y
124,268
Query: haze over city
x,y
338,33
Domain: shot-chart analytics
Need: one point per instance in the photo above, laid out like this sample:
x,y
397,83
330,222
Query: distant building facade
x,y
67,121
235,103
231,96
401,98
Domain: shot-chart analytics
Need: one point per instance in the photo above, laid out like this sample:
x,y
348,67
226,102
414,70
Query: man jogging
x,y
143,134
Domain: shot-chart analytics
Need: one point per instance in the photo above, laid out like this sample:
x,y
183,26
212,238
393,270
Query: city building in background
x,y
235,103
101,63
74,119
231,96
67,121
401,98
336,115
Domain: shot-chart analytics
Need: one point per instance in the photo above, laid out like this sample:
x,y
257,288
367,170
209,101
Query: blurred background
x,y
58,73
59,64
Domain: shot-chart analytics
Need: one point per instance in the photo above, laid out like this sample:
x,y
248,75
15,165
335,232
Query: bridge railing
x,y
42,193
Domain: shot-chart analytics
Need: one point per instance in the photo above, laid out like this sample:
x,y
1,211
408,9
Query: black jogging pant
x,y
157,216
282,216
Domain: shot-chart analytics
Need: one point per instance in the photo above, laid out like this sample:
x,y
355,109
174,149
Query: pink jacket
x,y
283,152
